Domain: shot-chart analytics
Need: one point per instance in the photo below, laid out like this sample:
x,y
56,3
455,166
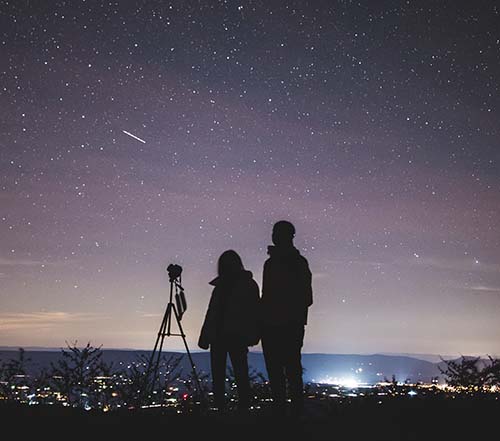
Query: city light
x,y
348,382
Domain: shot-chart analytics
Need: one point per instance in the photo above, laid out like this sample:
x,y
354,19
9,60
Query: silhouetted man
x,y
286,297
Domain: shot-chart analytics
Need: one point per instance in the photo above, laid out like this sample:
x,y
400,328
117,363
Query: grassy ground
x,y
393,419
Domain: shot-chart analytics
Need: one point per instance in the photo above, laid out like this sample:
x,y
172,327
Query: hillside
x,y
317,367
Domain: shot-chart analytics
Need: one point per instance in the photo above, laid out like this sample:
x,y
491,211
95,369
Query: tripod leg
x,y
193,367
152,370
169,308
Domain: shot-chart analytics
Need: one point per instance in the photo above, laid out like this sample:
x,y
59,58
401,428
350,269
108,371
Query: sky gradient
x,y
138,134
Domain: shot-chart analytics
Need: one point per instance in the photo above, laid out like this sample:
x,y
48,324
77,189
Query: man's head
x,y
283,233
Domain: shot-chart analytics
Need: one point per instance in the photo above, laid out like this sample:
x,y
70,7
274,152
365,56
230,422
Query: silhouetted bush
x,y
14,381
136,387
82,377
472,374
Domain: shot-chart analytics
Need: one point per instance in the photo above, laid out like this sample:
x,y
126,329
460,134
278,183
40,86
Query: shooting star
x,y
133,136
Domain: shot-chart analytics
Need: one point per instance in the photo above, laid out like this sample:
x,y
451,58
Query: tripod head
x,y
174,272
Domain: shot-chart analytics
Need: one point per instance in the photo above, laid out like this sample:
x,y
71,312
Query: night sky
x,y
138,134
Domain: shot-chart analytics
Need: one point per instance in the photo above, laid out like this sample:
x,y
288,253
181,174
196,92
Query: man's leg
x,y
239,362
272,348
293,368
218,355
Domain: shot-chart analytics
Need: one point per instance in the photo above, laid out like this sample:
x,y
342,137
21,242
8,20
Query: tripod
x,y
178,310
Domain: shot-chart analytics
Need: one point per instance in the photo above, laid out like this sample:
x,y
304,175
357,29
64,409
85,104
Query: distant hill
x,y
433,358
317,367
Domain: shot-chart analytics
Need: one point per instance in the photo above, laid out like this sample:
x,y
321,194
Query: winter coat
x,y
286,287
233,312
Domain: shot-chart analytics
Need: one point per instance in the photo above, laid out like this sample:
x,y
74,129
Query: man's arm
x,y
308,284
265,280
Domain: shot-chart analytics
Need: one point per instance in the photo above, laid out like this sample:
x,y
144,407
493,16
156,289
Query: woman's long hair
x,y
229,264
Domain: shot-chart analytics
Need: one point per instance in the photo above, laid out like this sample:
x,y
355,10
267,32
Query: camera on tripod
x,y
175,312
174,271
174,274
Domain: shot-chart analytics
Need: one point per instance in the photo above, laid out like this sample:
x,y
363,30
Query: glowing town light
x,y
349,382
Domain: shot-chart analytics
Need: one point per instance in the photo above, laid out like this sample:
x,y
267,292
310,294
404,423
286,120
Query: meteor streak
x,y
133,136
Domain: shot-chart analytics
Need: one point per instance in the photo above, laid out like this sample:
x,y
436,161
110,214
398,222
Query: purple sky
x,y
372,126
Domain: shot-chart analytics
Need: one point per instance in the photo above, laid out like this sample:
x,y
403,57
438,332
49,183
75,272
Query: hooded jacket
x,y
233,312
286,287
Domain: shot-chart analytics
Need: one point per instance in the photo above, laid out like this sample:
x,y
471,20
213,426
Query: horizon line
x,y
409,354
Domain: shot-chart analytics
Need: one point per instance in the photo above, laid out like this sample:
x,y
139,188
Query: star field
x,y
137,134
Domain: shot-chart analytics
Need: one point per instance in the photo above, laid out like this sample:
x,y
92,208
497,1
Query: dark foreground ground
x,y
394,419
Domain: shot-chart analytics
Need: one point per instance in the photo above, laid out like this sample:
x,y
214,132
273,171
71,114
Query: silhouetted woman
x,y
231,326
